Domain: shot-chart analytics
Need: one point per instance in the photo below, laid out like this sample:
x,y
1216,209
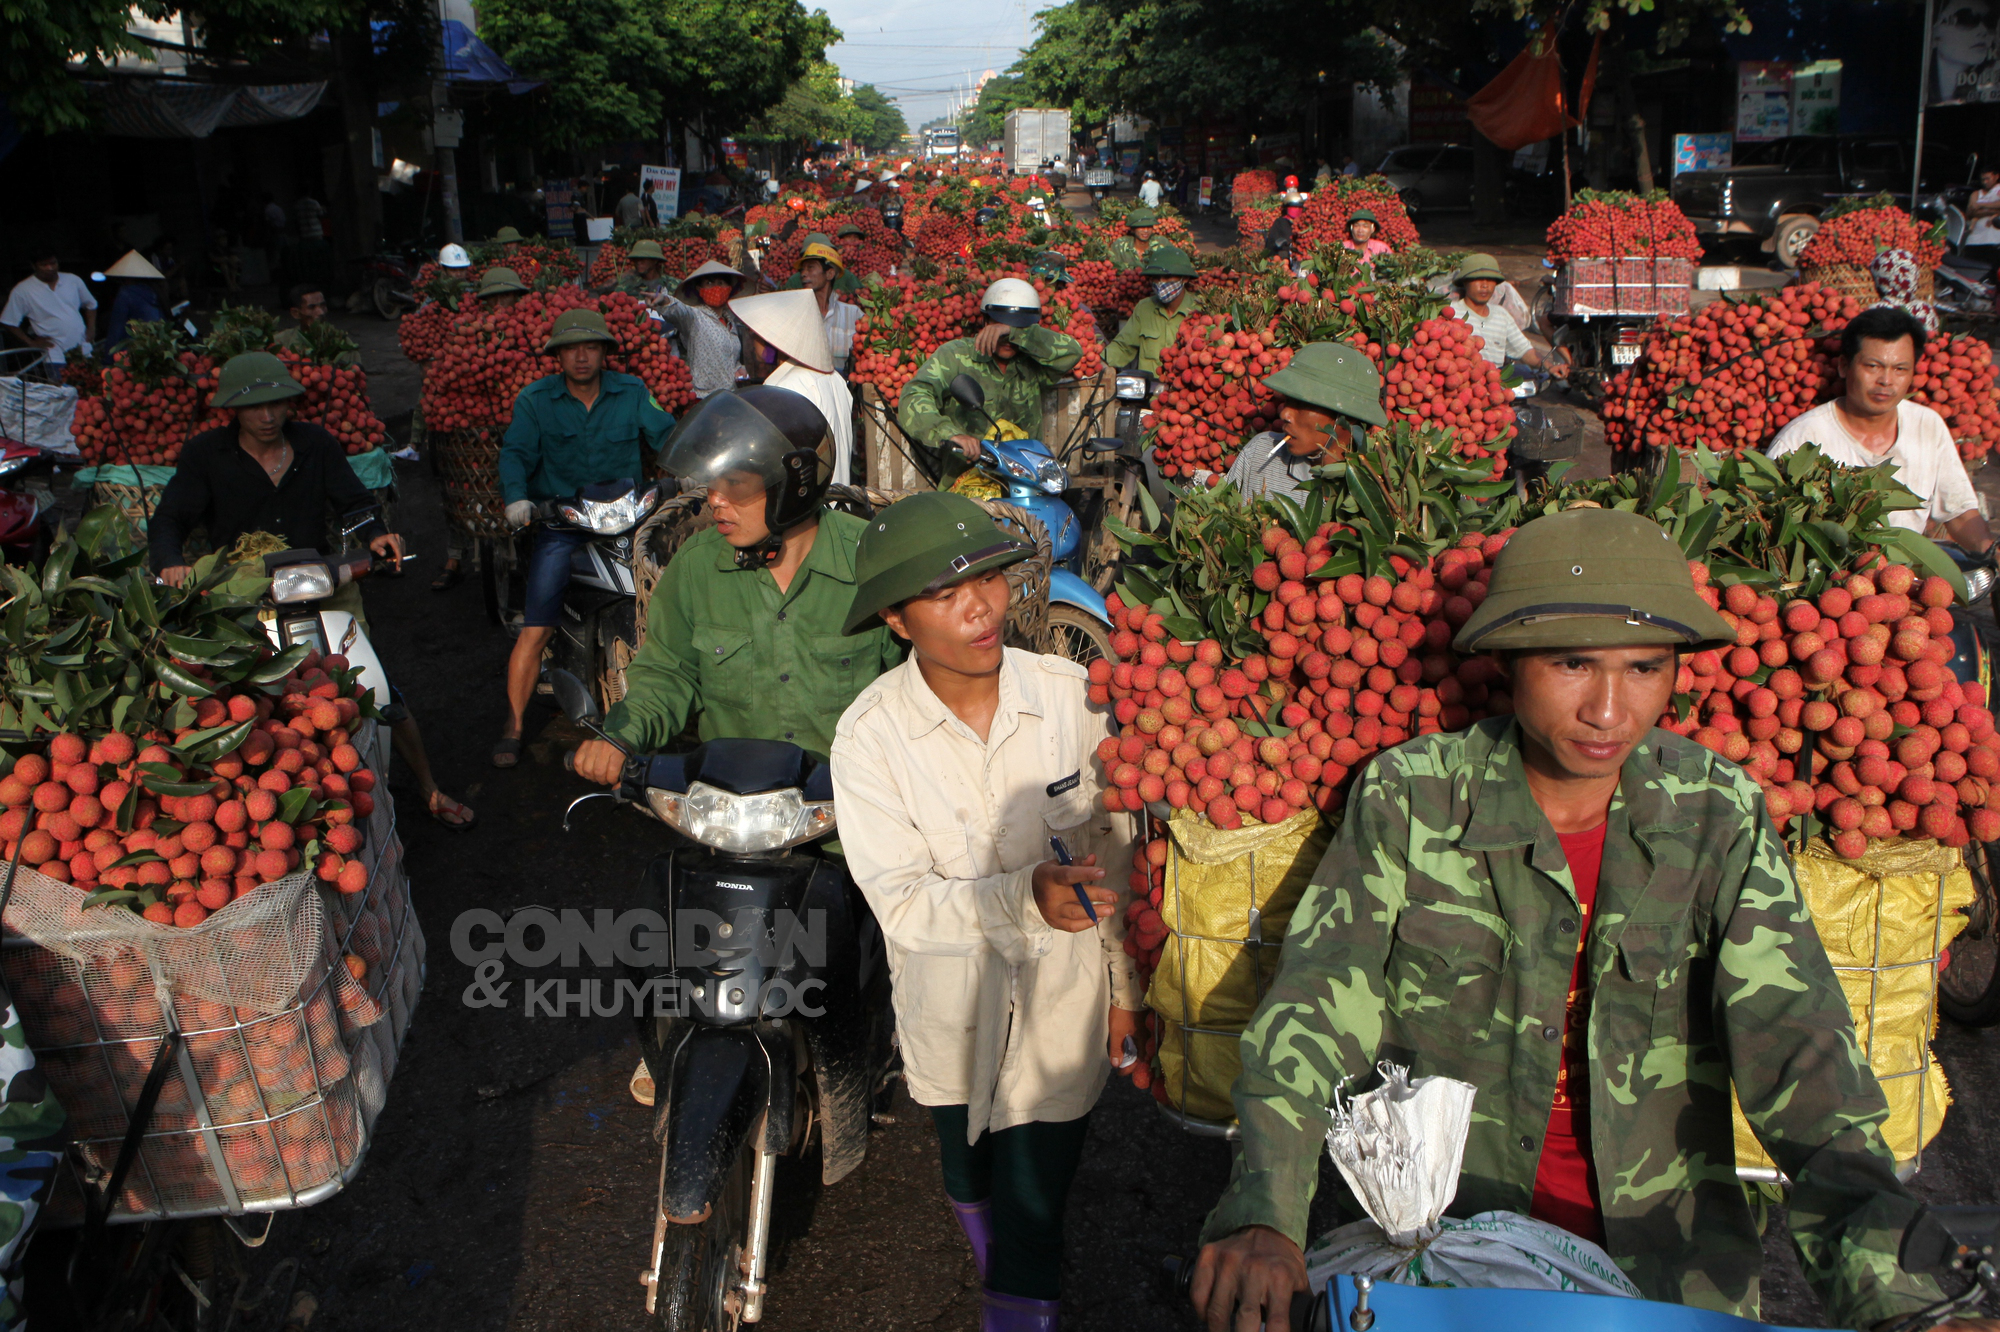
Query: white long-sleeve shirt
x,y
835,401
996,1010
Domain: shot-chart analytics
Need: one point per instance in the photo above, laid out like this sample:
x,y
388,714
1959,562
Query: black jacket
x,y
220,487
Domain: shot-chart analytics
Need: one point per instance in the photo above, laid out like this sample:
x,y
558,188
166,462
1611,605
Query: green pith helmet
x,y
253,378
1335,376
1478,266
921,544
574,326
1362,215
507,236
849,229
1142,217
1592,578
646,249
1049,264
1166,261
500,281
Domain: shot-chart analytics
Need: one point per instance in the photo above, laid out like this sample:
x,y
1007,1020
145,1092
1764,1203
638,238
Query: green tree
x,y
617,69
813,109
878,122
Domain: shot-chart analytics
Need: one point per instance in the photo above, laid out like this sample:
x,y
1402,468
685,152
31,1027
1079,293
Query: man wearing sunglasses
x,y
1327,398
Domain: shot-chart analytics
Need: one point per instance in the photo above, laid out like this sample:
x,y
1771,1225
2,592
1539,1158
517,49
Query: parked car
x,y
1774,193
1430,177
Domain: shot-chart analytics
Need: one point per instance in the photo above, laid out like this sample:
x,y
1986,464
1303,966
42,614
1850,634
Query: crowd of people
x,y
1611,943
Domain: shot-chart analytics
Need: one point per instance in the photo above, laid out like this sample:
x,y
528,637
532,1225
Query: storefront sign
x,y
1207,186
558,198
1816,98
1701,152
661,187
1763,100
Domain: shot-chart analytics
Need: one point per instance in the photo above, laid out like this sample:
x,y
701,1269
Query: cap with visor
x,y
1333,376
925,544
252,379
1592,578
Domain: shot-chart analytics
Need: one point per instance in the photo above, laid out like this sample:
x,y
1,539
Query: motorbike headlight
x,y
1052,478
302,582
769,821
15,464
1131,387
1978,582
611,517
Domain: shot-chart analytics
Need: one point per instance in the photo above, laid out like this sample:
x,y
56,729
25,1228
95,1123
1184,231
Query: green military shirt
x,y
1126,256
1149,332
931,415
1439,932
554,446
754,662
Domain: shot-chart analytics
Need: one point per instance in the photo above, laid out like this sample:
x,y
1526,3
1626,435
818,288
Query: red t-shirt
x,y
1565,1182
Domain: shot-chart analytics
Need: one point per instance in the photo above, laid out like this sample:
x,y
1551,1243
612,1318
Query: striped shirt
x,y
1504,339
1265,466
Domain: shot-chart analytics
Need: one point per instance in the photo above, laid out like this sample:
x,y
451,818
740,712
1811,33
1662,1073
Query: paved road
x,y
510,1182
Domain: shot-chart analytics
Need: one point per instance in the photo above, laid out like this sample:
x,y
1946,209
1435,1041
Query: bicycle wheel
x,y
1078,635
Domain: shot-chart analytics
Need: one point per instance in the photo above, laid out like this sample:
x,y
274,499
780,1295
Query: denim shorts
x,y
548,575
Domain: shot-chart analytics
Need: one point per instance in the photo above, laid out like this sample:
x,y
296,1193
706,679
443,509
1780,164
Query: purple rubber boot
x,y
1017,1313
976,1220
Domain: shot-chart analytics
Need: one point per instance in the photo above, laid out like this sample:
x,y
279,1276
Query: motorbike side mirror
x,y
574,698
966,389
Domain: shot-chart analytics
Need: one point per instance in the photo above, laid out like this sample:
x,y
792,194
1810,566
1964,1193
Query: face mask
x,y
1165,292
713,294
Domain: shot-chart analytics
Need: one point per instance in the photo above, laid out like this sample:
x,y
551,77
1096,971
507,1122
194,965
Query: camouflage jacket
x,y
931,415
1439,932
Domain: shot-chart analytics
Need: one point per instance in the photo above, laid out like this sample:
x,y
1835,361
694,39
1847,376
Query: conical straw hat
x,y
791,322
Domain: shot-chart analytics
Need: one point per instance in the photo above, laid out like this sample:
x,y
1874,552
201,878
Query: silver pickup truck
x,y
1775,192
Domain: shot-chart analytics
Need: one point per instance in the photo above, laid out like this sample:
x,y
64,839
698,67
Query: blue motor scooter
x,y
1035,481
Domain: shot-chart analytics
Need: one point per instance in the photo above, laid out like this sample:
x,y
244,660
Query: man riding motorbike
x,y
1592,921
1129,252
580,426
1013,357
268,473
744,631
1157,317
1477,279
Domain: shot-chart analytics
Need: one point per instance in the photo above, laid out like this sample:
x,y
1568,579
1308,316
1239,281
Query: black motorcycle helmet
x,y
768,441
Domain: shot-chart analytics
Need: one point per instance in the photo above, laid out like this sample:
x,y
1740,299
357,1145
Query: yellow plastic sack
x,y
1884,920
975,484
1227,901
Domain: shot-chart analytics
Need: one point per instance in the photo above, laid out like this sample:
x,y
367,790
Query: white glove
x,y
520,513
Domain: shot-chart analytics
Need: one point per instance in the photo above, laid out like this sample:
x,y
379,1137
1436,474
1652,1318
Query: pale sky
x,y
905,47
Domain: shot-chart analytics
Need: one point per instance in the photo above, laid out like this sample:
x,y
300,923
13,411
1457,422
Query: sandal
x,y
507,751
449,812
449,578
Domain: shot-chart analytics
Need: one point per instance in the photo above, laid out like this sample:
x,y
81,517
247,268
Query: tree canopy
x,y
617,69
1266,61
878,122
987,119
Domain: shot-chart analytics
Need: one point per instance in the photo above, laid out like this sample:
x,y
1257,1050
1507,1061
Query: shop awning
x,y
469,60
156,108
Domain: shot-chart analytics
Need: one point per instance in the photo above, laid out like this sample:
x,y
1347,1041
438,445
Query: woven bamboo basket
x,y
663,534
137,504
1853,280
468,466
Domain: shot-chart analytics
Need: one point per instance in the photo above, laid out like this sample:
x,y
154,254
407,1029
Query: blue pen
x,y
1063,855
